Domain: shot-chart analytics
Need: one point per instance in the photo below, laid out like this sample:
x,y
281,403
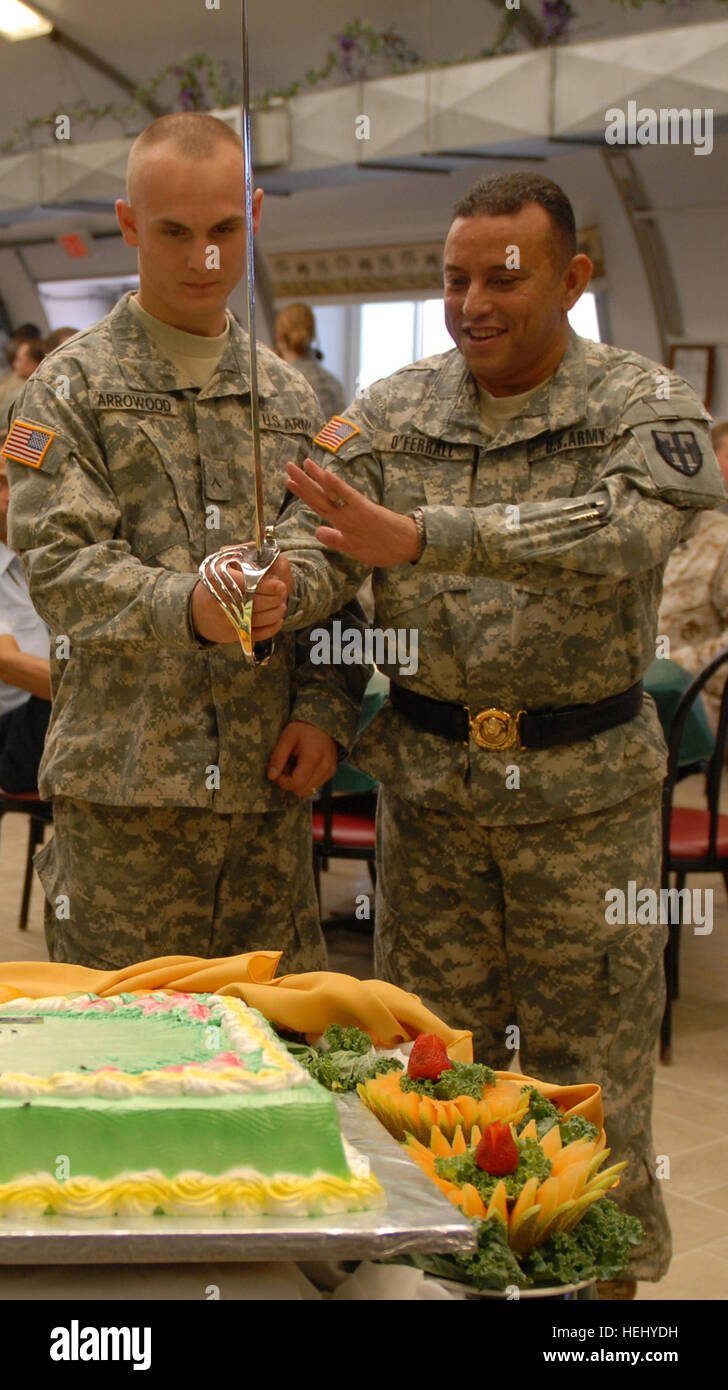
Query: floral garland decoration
x,y
360,52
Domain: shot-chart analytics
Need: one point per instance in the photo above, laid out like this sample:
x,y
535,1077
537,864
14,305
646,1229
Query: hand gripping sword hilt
x,y
237,602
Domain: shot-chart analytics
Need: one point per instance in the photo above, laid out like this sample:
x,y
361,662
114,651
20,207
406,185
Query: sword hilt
x,y
237,603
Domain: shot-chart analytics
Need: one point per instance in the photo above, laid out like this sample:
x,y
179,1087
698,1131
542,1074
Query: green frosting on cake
x,y
292,1131
281,1123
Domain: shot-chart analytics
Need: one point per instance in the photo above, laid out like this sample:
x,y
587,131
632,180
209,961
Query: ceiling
x,y
139,39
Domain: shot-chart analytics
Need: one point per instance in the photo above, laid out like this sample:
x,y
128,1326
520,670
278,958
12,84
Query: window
x,y
80,303
584,318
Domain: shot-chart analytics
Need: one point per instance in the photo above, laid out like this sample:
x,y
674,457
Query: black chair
x,y
343,828
694,841
41,814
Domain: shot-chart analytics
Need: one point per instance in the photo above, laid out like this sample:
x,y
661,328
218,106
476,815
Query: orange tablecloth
x,y
304,1003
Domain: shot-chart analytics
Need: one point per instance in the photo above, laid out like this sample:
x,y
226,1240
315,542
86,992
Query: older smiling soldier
x,y
516,500
176,767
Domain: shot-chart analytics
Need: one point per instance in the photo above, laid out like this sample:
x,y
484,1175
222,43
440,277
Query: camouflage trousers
x,y
502,925
127,884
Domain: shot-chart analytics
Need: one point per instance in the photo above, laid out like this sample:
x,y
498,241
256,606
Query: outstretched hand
x,y
357,526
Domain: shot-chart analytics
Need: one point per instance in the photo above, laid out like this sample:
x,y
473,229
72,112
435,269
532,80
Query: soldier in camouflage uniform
x,y
457,483
694,608
179,826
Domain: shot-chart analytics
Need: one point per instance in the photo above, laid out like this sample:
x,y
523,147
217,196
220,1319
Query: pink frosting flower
x,y
224,1059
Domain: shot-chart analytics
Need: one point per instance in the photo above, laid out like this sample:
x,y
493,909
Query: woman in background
x,y
295,332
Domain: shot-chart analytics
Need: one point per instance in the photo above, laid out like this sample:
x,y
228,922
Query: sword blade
x,y
250,290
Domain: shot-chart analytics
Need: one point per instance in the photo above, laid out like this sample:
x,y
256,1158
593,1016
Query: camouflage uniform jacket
x,y
517,603
143,476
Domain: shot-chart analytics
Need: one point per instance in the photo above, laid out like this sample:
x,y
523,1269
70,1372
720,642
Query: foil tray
x,y
417,1217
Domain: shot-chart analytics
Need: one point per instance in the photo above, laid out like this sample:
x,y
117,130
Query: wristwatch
x,y
418,517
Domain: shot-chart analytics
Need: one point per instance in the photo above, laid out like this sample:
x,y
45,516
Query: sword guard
x,y
237,602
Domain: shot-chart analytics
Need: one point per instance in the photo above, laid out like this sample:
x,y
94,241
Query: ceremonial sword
x,y
254,558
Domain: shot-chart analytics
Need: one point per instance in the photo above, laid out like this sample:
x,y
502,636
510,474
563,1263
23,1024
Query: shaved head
x,y
192,134
186,216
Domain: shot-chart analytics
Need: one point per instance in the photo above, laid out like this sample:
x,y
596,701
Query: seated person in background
x,y
694,608
29,355
58,336
10,382
295,332
25,683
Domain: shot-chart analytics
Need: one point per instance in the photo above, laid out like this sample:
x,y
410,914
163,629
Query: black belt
x,y
497,728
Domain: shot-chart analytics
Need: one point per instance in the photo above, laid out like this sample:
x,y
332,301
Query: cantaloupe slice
x,y
556,1222
524,1200
438,1143
598,1159
573,1180
498,1204
468,1112
429,1110
530,1131
458,1142
521,1233
572,1153
578,1209
548,1196
551,1142
473,1204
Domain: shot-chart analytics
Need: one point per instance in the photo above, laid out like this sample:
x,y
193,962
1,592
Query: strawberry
x,y
497,1152
428,1058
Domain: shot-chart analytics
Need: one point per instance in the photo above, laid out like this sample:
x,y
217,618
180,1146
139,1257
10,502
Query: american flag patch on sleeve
x,y
336,433
27,443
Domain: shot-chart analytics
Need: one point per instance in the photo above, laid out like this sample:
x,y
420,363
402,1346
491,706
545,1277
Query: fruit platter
x,y
525,1161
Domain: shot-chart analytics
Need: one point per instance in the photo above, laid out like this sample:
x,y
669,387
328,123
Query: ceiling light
x,y
18,21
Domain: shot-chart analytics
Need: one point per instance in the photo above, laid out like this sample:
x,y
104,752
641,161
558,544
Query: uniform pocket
x,y
397,591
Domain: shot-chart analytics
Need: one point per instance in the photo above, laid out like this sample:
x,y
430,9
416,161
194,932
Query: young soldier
x,y
179,771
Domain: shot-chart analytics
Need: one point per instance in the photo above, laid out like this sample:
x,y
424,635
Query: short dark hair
x,y
504,193
194,134
35,348
58,336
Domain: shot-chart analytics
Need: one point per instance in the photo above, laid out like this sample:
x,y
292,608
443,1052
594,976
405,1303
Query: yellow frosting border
x,y
188,1194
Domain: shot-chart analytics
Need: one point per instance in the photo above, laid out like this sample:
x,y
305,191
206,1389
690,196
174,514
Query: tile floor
x,y
691,1095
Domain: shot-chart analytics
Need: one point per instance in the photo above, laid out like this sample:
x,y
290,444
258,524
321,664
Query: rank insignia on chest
x,y
27,443
336,433
680,449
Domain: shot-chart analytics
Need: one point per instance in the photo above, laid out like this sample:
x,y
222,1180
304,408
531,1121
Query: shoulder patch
x,y
681,464
27,443
680,449
336,433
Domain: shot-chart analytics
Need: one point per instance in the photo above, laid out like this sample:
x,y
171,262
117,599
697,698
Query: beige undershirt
x,y
196,356
495,411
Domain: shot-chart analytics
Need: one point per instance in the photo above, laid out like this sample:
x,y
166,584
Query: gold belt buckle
x,y
496,728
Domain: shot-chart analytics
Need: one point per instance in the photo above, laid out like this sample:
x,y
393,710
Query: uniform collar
x,y
451,408
144,367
